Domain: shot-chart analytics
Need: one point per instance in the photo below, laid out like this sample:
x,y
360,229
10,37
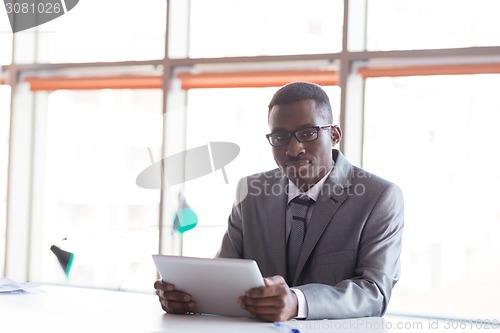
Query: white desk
x,y
66,309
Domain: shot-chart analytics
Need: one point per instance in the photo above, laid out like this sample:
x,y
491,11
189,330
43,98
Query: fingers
x,y
161,285
274,302
173,301
175,307
274,285
273,311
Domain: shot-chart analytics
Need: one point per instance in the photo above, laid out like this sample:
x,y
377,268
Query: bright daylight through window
x,y
413,87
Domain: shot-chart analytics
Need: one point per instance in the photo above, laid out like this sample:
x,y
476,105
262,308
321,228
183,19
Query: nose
x,y
294,148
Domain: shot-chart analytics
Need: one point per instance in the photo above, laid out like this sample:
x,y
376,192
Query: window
x,y
5,39
86,198
435,136
95,31
4,158
413,85
427,24
263,28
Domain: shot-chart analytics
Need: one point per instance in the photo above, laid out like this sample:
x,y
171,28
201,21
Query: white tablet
x,y
215,284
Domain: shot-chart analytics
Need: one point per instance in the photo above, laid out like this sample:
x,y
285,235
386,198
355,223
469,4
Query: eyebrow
x,y
280,129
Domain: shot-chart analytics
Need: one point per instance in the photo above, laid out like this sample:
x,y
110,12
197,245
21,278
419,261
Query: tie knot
x,y
302,200
300,206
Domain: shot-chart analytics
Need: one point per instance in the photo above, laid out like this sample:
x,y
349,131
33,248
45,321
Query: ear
x,y
335,134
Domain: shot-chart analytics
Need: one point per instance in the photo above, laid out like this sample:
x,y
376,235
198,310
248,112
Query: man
x,y
337,245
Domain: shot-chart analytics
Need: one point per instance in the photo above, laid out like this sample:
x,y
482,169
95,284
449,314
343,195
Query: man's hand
x,y
274,302
173,301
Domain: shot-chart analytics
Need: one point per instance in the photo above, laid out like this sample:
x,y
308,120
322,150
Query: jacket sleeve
x,y
232,242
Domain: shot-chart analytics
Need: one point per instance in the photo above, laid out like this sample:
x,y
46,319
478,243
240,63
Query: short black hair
x,y
299,91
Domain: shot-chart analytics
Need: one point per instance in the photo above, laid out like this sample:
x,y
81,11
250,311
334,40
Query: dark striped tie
x,y
300,206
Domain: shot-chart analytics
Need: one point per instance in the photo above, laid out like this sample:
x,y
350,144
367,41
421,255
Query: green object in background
x,y
185,217
70,264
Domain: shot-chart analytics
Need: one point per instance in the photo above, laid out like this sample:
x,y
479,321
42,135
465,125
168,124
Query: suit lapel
x,y
333,194
276,226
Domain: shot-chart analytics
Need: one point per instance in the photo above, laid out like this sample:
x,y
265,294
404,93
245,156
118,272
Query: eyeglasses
x,y
280,139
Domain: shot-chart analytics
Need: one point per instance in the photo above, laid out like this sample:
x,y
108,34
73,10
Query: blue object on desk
x,y
285,328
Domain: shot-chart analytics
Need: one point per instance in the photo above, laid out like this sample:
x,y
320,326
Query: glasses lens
x,y
308,134
279,139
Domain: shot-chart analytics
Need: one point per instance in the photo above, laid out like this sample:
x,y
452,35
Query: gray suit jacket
x,y
350,256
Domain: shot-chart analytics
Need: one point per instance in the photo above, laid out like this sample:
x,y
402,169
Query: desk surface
x,y
69,309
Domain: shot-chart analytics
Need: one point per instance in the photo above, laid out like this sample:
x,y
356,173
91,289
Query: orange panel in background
x,y
256,79
96,82
458,69
250,79
188,80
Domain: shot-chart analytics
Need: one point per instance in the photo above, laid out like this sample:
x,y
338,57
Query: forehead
x,y
294,115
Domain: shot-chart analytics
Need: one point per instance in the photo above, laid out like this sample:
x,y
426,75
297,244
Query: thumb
x,y
274,280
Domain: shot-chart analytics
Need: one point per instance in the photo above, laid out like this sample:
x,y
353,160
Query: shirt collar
x,y
313,192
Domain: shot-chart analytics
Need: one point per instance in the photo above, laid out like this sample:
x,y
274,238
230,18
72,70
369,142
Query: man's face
x,y
304,163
